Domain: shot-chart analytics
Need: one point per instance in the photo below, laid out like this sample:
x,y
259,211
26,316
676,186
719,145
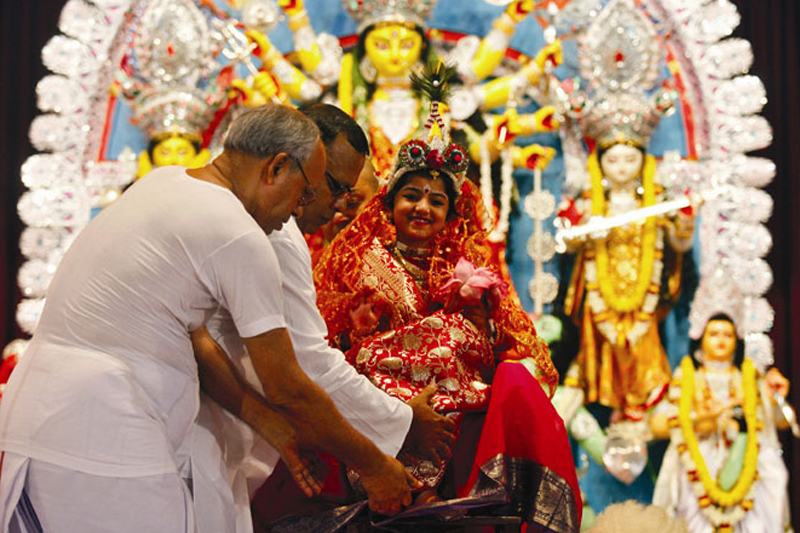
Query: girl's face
x,y
393,49
420,210
719,341
621,164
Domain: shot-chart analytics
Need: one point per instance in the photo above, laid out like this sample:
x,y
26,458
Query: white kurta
x,y
109,383
379,417
770,512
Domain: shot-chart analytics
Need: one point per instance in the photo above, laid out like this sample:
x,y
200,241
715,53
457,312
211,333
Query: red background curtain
x,y
770,25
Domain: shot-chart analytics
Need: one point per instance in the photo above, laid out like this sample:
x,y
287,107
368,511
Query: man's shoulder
x,y
289,237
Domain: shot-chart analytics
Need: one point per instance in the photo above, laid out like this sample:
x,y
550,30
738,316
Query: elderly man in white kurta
x,y
386,421
96,423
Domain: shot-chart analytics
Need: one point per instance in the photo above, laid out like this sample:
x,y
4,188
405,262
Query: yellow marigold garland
x,y
620,302
713,495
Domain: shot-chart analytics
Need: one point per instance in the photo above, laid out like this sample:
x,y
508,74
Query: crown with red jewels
x,y
369,12
436,156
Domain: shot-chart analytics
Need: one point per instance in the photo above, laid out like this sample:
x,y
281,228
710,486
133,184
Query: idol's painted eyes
x,y
381,44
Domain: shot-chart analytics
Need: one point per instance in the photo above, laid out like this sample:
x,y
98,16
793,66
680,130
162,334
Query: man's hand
x,y
304,465
388,485
431,435
222,382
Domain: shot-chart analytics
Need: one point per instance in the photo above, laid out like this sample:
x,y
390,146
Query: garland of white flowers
x,y
499,230
486,182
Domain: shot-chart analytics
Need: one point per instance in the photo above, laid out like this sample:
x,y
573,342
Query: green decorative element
x,y
589,516
595,445
434,82
549,328
730,472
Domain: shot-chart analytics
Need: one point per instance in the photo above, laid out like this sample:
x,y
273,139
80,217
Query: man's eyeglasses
x,y
308,192
338,189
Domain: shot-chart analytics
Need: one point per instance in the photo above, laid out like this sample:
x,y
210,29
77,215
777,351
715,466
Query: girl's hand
x,y
365,315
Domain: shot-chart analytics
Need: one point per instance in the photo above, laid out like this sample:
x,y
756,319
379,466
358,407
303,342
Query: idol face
x,y
174,150
393,49
622,164
719,341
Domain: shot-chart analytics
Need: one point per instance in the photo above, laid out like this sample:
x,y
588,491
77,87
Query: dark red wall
x,y
772,27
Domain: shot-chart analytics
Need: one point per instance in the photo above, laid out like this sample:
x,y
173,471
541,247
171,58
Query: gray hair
x,y
271,129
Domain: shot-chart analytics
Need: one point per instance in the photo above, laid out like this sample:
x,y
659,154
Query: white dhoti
x,y
43,497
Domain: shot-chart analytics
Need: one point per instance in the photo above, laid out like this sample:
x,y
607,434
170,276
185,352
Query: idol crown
x,y
369,12
163,111
626,117
168,59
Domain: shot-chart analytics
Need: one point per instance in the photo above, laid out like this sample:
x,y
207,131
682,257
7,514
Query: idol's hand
x,y
266,85
291,7
708,414
551,54
684,226
533,156
240,89
388,485
264,45
544,119
430,436
263,90
506,127
519,9
777,383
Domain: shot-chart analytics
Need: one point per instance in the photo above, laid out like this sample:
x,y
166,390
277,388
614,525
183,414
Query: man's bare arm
x,y
319,424
221,380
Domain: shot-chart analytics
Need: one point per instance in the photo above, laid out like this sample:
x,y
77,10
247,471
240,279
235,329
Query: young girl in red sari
x,y
410,295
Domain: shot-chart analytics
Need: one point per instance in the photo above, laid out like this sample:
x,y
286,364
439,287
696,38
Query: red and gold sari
x,y
416,343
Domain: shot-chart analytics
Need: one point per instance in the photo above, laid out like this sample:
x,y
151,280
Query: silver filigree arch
x,y
66,180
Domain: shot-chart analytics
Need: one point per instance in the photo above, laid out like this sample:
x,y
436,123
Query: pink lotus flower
x,y
472,283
